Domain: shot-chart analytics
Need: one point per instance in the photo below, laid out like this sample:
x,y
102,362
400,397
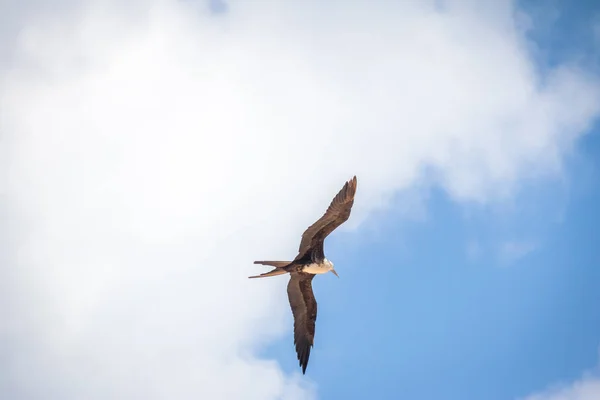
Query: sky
x,y
152,150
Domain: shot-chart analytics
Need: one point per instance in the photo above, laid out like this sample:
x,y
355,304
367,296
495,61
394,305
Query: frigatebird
x,y
310,261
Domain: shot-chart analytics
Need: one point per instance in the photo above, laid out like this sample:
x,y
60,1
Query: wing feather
x,y
304,309
337,213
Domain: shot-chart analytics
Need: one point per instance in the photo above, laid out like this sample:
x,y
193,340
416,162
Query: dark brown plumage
x,y
337,213
310,261
304,309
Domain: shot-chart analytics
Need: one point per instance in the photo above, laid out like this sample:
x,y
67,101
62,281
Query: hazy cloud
x,y
585,388
512,250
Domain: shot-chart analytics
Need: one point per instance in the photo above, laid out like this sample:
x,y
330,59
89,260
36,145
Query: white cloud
x,y
153,154
585,388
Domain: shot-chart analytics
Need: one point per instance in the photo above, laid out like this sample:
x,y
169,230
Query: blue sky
x,y
151,151
415,316
435,324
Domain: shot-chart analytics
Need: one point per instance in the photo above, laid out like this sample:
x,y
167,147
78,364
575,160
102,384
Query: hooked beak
x,y
335,273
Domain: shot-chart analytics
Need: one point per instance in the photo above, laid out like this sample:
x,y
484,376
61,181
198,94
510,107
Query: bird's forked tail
x,y
279,268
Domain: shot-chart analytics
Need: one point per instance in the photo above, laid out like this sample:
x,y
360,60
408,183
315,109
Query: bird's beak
x,y
335,273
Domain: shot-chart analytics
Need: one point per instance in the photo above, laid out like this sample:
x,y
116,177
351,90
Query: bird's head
x,y
330,267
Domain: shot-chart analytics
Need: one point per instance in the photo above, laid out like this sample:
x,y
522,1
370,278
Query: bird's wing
x,y
337,213
304,309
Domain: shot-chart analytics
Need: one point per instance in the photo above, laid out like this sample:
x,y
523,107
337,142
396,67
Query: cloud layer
x,y
152,153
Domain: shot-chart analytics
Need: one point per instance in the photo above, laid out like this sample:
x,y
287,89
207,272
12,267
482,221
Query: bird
x,y
309,262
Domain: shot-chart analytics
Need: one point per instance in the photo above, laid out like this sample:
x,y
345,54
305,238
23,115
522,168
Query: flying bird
x,y
310,261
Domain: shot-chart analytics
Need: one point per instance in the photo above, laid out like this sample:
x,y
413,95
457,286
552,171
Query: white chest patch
x,y
316,268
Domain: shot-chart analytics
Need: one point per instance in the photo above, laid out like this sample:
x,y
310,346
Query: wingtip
x,y
303,366
351,184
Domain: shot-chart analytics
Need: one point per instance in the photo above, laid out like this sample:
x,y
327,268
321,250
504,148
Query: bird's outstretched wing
x,y
304,309
337,213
